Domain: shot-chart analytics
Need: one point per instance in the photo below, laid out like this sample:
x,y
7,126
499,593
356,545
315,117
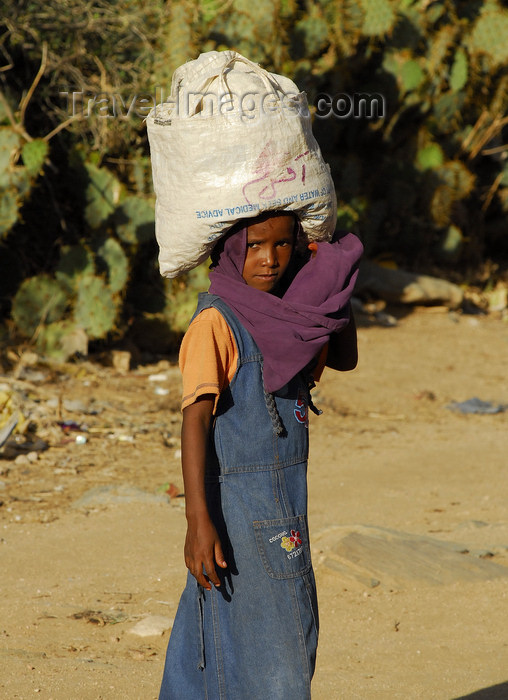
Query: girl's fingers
x,y
201,579
199,574
204,581
313,248
219,556
212,574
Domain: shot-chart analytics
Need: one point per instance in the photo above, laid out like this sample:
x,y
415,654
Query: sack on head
x,y
233,141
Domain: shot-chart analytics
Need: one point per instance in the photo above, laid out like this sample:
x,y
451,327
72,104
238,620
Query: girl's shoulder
x,y
208,356
209,323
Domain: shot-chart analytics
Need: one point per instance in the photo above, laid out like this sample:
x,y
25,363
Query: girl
x,y
247,623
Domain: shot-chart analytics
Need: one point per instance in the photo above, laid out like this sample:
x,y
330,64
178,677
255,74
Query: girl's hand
x,y
202,551
313,249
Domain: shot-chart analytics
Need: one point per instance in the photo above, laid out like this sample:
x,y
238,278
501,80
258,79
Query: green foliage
x,y
427,183
180,48
15,180
75,262
112,259
313,30
53,340
457,176
102,195
34,154
39,300
9,143
438,49
182,297
82,297
134,219
459,71
411,75
430,156
95,308
379,17
450,245
489,36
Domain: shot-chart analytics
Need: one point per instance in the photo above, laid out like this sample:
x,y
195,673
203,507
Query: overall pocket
x,y
283,546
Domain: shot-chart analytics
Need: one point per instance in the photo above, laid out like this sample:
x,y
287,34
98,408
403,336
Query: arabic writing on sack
x,y
264,186
263,191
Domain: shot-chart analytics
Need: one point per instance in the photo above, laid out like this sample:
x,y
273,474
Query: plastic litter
x,y
69,426
162,377
7,429
476,405
21,445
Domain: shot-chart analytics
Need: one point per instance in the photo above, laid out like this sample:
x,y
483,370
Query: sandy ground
x,y
387,452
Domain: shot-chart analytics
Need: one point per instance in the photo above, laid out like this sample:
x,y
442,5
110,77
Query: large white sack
x,y
232,142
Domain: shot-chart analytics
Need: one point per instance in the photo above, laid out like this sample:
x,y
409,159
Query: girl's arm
x,y
343,349
202,545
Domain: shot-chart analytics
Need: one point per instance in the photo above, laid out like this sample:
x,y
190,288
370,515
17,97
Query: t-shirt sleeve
x,y
208,357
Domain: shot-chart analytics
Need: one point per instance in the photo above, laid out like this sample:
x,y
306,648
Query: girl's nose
x,y
271,259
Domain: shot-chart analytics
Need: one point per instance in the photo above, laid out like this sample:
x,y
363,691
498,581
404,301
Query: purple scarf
x,y
291,330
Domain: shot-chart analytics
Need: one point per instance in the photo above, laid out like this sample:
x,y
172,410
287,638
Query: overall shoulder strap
x,y
244,341
247,348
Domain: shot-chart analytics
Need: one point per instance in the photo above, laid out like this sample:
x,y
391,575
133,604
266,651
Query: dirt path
x,y
386,453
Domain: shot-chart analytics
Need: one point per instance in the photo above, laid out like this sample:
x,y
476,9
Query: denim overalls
x,y
254,637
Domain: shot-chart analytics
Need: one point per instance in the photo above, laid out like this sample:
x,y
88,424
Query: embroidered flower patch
x,y
289,543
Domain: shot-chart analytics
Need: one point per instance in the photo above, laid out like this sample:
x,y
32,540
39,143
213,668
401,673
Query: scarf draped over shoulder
x,y
292,329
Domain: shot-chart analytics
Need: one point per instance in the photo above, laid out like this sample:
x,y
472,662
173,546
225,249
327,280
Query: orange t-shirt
x,y
209,357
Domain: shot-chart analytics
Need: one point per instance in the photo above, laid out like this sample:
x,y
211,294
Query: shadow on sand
x,y
495,692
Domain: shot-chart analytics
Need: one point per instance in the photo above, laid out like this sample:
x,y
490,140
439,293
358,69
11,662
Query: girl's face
x,y
270,245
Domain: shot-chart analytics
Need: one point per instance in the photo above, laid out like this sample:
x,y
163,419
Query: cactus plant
x,y
135,220
459,71
430,169
182,297
102,195
489,34
313,31
438,50
9,143
379,17
95,308
61,340
34,154
39,300
112,259
75,262
15,180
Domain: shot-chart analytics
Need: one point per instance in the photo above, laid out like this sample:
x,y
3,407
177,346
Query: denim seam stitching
x,y
263,467
301,636
221,681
